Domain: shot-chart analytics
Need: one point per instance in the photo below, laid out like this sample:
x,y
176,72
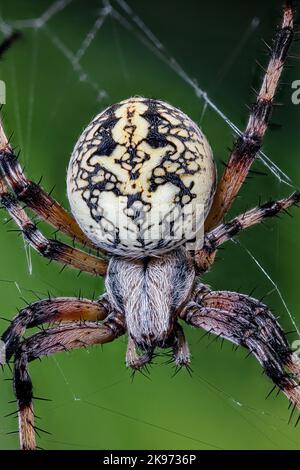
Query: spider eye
x,y
141,178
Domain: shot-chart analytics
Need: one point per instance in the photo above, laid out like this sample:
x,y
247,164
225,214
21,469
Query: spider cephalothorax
x,y
144,291
141,181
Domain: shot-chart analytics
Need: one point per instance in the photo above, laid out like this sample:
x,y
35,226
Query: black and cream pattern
x,y
141,177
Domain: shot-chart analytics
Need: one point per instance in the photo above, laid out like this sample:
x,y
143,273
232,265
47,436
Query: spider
x,y
137,174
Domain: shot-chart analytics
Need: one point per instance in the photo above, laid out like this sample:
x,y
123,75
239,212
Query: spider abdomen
x,y
141,178
149,292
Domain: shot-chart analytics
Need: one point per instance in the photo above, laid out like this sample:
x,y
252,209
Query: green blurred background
x,y
95,405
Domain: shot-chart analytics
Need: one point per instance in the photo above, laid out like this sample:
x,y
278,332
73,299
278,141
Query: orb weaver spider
x,y
134,155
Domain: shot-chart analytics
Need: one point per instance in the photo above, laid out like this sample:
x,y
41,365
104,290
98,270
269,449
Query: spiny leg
x,y
204,258
51,341
51,249
38,200
250,142
247,322
51,311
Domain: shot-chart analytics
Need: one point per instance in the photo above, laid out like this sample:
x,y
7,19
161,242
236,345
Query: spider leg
x,y
34,197
51,311
51,341
247,322
250,142
204,258
51,249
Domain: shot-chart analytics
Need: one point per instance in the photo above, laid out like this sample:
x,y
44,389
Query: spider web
x,y
120,17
